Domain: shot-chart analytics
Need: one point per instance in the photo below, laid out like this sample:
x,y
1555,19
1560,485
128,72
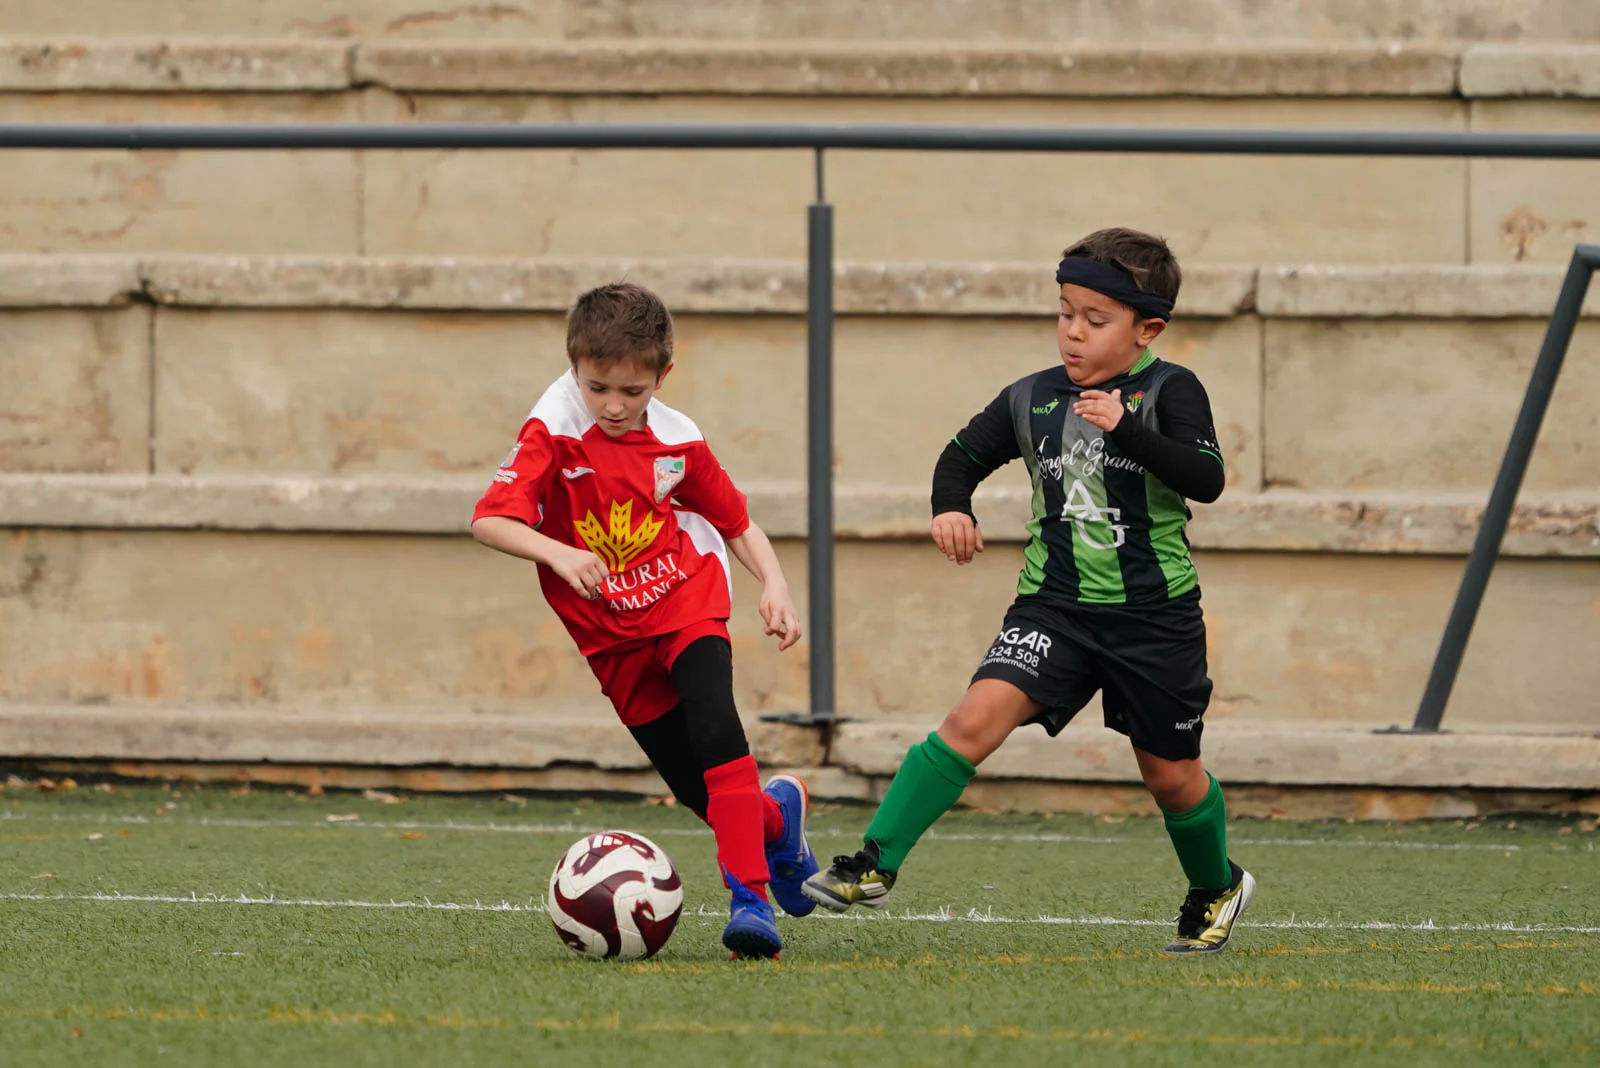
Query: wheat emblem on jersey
x,y
623,542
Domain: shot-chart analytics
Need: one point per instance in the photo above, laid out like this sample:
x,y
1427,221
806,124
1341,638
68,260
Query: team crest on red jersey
x,y
669,472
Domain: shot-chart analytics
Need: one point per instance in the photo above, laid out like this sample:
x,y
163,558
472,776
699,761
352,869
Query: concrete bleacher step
x,y
1387,523
1231,68
351,368
750,204
1272,769
286,618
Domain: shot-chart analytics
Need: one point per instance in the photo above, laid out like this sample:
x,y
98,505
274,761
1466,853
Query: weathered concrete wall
x,y
76,393
750,204
920,205
346,393
339,622
950,20
352,393
233,488
223,201
1213,20
339,394
293,395
1522,212
1314,404
1425,405
738,204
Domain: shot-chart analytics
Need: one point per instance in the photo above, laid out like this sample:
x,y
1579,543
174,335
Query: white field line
x,y
943,916
495,827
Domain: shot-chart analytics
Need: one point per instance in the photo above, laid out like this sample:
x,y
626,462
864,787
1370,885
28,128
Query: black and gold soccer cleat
x,y
1206,920
851,880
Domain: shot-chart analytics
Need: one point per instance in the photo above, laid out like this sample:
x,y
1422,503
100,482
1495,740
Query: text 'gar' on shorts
x,y
1148,662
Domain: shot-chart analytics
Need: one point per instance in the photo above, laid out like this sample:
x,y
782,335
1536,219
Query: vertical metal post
x,y
1524,434
819,450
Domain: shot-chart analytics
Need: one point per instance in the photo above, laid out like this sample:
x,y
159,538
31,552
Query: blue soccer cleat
x,y
752,929
790,859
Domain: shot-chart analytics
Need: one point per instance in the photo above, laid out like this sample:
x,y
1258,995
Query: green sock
x,y
1200,836
929,782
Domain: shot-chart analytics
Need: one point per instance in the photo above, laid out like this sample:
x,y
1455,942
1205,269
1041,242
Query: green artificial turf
x,y
412,935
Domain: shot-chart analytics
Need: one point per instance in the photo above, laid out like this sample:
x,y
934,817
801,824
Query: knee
x,y
971,731
1176,785
961,733
985,716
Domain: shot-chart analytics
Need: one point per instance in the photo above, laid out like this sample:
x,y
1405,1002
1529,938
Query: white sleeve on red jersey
x,y
707,489
519,485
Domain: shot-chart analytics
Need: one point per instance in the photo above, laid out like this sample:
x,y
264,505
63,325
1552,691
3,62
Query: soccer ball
x,y
615,894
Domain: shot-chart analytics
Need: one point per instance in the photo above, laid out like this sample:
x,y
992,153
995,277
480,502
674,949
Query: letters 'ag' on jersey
x,y
1104,530
653,504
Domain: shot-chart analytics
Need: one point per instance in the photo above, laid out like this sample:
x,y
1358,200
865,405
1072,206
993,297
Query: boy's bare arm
x,y
582,570
778,612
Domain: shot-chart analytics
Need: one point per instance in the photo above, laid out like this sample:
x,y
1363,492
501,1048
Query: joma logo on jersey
x,y
1081,510
623,542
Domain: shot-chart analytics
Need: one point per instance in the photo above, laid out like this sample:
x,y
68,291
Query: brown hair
x,y
620,321
1144,256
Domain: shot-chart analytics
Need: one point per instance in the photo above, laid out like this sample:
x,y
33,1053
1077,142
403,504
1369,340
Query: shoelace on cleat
x,y
854,863
1192,915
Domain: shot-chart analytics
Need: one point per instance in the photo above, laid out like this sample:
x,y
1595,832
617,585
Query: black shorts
x,y
1148,661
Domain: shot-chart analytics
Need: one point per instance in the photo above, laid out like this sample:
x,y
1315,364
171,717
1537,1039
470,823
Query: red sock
x,y
734,810
771,819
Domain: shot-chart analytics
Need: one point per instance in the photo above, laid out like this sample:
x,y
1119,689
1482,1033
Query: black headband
x,y
1114,283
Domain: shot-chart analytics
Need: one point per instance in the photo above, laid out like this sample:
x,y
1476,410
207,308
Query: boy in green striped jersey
x,y
1114,440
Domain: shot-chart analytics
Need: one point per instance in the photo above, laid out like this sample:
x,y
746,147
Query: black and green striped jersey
x,y
1109,510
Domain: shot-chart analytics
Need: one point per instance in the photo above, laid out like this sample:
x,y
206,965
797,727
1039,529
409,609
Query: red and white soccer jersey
x,y
654,504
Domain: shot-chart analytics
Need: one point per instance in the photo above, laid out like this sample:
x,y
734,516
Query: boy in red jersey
x,y
628,514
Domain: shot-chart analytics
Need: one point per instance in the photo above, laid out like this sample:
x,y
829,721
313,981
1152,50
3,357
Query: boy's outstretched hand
x,y
582,570
1104,410
957,536
779,614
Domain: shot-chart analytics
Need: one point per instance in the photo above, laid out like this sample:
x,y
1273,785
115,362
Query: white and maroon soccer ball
x,y
615,894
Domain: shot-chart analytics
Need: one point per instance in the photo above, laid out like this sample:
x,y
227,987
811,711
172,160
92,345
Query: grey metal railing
x,y
819,315
1503,498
